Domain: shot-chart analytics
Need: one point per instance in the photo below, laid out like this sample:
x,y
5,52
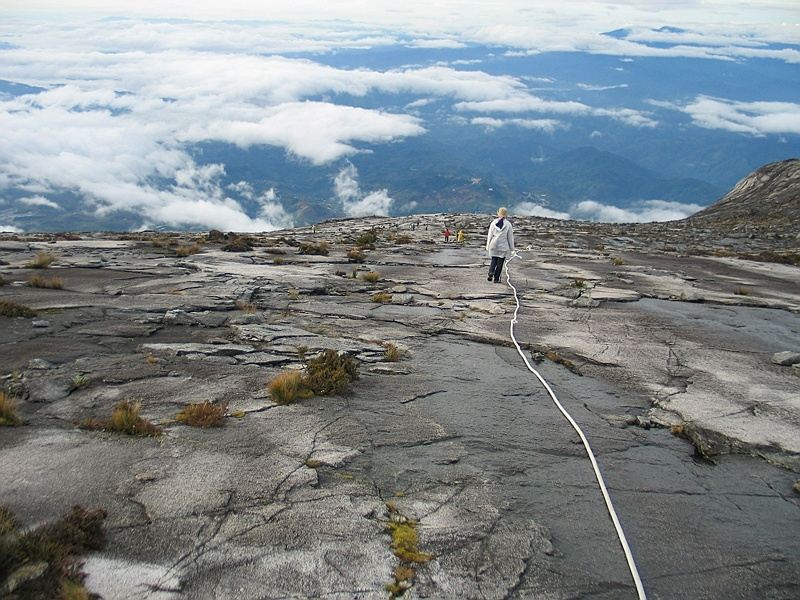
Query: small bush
x,y
578,283
204,414
356,256
367,239
382,297
12,309
125,419
319,249
8,411
238,244
330,373
371,276
163,242
392,353
184,251
42,260
278,260
287,387
215,235
617,261
339,273
270,250
52,283
57,547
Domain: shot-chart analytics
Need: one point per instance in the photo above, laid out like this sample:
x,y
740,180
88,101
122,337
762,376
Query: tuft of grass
x,y
784,258
78,382
163,242
188,250
356,255
579,283
51,283
151,360
319,249
8,411
330,373
392,353
204,414
278,260
367,239
125,419
617,261
382,297
52,552
246,307
401,238
13,309
42,260
742,291
371,276
287,387
313,463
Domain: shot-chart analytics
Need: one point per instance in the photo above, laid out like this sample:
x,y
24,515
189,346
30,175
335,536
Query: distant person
x,y
499,243
447,233
460,236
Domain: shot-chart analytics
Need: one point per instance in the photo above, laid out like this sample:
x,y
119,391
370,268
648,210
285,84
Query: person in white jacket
x,y
499,244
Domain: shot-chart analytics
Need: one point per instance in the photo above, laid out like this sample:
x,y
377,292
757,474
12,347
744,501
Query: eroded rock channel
x,y
660,351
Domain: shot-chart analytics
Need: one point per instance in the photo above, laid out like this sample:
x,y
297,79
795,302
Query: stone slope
x,y
767,198
663,357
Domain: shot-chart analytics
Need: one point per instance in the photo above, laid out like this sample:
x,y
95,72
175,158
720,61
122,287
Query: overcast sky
x,y
123,100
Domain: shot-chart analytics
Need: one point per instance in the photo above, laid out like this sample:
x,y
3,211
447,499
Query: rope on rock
x,y
609,505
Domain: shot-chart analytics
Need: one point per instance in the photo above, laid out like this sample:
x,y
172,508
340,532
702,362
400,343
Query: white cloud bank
x,y
356,203
589,210
751,118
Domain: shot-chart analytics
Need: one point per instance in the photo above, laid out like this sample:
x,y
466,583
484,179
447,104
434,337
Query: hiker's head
x,y
502,212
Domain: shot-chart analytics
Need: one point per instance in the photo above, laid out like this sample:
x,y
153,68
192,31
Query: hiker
x,y
460,236
499,243
447,233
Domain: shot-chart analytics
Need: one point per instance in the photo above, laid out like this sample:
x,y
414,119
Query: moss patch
x,y
405,546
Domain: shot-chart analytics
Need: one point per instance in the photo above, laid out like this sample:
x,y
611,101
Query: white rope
x,y
620,534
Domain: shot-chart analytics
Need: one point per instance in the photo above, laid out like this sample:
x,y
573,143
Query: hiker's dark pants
x,y
496,268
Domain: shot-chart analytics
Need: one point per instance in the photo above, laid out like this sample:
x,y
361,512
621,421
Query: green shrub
x,y
56,548
330,373
367,239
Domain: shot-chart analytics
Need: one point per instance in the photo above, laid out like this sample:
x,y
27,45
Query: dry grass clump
x,y
371,276
382,297
311,248
270,250
356,256
617,261
401,238
278,260
555,357
392,353
204,414
51,283
578,283
287,387
246,307
163,242
125,419
13,309
50,553
784,258
42,260
742,291
329,373
8,411
188,250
